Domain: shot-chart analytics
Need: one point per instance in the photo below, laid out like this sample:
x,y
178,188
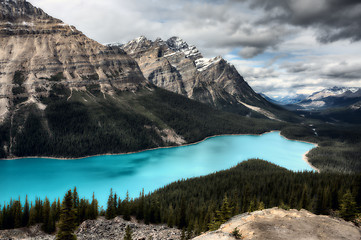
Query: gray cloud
x,y
333,19
215,27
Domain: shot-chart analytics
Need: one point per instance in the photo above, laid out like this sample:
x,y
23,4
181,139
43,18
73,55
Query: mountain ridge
x,y
176,66
39,52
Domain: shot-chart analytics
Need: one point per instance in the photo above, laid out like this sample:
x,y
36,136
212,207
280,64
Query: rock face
x,y
279,224
100,229
38,51
178,67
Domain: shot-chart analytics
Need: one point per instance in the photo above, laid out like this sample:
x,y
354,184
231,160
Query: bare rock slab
x,y
279,224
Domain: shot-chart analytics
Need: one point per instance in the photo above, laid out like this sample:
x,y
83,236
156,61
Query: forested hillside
x,y
76,124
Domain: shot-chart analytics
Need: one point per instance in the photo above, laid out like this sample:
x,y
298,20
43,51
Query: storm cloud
x,y
333,19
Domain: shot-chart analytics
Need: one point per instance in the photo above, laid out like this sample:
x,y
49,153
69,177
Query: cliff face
x,y
178,67
38,51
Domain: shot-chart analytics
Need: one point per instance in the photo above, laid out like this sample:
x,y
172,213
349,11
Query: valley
x,y
177,138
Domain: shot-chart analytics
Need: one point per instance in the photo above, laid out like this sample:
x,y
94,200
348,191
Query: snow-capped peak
x,y
179,45
331,92
140,39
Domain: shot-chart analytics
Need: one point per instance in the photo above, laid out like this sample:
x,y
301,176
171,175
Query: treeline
x,y
199,204
16,215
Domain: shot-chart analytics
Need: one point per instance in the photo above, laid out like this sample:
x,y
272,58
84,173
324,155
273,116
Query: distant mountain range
x,y
331,98
334,97
336,104
294,99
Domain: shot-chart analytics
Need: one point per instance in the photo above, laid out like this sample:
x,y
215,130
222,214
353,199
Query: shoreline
x,y
304,157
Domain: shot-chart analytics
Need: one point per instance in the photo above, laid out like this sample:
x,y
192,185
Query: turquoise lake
x,y
149,169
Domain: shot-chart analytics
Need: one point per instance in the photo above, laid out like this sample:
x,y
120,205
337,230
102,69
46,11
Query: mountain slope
x,y
84,123
178,67
38,52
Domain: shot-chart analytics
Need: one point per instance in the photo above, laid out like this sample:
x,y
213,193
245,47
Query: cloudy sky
x,y
281,47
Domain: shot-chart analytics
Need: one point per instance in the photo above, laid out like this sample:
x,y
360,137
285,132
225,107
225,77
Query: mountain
x,y
294,99
178,67
39,52
65,95
331,98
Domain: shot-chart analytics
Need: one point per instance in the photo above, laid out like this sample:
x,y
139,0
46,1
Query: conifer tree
x,y
26,213
67,222
17,213
126,214
140,206
170,217
348,206
110,211
222,215
93,212
128,233
48,223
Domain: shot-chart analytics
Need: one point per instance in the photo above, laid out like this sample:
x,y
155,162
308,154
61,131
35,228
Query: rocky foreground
x,y
100,229
279,224
270,224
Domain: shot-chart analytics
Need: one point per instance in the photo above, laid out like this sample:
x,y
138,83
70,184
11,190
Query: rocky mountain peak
x,y
39,52
13,10
179,45
179,67
137,45
176,43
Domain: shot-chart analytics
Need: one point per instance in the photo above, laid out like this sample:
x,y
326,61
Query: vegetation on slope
x,y
339,146
76,124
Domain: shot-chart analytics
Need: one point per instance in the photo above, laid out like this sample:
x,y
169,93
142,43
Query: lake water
x,y
150,169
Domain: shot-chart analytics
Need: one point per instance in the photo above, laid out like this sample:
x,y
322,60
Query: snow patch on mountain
x,y
332,92
204,63
179,45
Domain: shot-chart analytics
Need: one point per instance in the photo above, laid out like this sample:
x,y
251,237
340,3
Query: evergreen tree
x,y
48,223
170,218
128,233
126,205
75,199
67,222
93,212
222,215
76,202
110,211
348,206
140,206
26,213
17,213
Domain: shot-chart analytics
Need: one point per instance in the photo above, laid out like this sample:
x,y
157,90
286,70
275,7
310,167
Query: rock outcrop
x,y
178,67
38,51
100,229
279,224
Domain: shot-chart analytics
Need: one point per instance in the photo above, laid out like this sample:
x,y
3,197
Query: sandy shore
x,y
183,145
